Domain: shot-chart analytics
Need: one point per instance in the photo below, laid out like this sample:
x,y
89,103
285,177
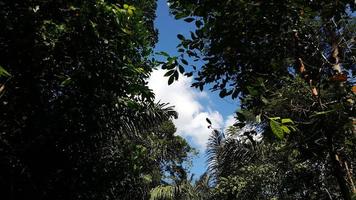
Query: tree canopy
x,y
291,64
78,120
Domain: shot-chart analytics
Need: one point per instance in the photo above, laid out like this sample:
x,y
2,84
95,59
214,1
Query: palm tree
x,y
184,190
231,152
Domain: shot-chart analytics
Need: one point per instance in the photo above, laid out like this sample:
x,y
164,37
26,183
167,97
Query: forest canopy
x,y
78,120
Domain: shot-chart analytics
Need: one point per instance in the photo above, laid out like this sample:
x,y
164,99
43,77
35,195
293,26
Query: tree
x,y
288,62
245,167
183,189
75,108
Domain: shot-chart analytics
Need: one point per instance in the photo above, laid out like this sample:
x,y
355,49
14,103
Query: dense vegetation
x,y
77,119
79,122
292,66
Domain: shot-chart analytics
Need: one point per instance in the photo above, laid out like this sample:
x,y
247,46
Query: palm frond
x,y
163,192
214,150
133,122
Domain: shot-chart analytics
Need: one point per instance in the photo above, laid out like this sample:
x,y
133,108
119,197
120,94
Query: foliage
x,y
264,170
183,189
77,118
283,60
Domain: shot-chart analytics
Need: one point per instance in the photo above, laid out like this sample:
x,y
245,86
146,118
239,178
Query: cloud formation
x,y
191,122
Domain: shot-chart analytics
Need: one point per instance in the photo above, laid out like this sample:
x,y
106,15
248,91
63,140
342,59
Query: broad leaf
x,y
276,129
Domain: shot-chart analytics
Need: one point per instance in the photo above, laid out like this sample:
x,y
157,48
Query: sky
x,y
193,106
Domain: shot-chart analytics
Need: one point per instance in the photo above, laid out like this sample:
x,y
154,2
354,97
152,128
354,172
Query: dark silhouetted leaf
x,y
169,73
170,80
181,37
181,69
190,19
184,61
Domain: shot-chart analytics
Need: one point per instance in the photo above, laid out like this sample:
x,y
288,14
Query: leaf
x,y
184,61
258,118
192,35
222,93
287,120
181,50
147,178
252,91
3,72
208,120
198,23
239,124
353,197
169,73
322,113
264,100
164,66
179,15
189,74
285,129
354,89
276,129
170,80
190,19
181,37
2,88
181,69
67,81
171,60
165,54
235,94
176,75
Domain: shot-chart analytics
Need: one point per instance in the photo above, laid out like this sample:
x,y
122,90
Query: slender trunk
x,y
338,170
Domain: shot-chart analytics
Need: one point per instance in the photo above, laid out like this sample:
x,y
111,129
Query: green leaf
x,y
171,60
264,100
286,129
67,81
276,129
165,54
190,19
287,120
180,15
181,37
353,197
252,91
147,178
322,113
274,118
3,72
258,118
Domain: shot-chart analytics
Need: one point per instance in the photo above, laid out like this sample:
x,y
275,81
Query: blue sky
x,y
192,105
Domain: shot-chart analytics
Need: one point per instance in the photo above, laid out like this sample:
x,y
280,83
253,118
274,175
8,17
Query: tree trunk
x,y
338,170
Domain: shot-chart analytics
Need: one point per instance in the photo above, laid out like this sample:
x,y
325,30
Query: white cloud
x,y
230,120
191,122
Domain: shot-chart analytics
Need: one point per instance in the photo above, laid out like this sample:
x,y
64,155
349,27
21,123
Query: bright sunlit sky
x,y
193,106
